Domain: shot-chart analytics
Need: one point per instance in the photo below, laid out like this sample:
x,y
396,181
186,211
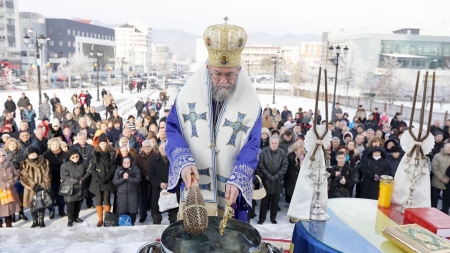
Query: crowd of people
x,y
361,150
105,160
120,165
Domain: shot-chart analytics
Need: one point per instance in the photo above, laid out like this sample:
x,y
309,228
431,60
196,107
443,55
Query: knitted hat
x,y
73,151
132,126
395,149
131,116
102,138
6,129
55,122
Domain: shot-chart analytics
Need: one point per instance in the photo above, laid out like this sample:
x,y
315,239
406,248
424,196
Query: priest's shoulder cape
x,y
225,155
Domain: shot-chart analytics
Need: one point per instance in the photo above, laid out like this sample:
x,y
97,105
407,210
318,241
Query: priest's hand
x,y
231,193
186,175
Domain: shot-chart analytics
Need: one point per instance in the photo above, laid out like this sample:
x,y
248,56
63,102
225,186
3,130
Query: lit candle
x,y
385,193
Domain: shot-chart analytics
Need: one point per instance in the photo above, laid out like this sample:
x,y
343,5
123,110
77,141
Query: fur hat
x,y
30,150
265,130
102,138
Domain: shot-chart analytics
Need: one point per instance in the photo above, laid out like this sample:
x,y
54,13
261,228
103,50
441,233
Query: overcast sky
x,y
277,17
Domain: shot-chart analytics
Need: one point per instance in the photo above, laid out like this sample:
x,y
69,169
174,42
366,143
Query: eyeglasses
x,y
228,76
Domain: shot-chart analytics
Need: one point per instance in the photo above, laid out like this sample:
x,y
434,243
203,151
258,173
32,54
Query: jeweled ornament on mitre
x,y
225,43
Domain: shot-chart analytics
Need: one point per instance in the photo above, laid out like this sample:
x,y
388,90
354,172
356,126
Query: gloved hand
x,y
37,188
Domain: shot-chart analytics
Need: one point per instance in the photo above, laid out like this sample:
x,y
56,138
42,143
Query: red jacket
x,y
82,98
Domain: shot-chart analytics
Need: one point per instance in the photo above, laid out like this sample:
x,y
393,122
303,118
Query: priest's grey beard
x,y
223,94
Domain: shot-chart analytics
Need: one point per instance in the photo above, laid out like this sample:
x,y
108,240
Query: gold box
x,y
416,239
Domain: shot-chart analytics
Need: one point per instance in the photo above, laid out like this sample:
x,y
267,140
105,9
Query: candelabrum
x,y
414,173
319,179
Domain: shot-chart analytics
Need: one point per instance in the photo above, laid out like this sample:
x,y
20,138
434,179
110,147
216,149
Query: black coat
x,y
139,106
55,164
72,173
393,163
264,143
158,172
273,165
86,153
348,173
372,124
127,190
10,106
370,167
43,144
95,116
290,178
102,168
54,101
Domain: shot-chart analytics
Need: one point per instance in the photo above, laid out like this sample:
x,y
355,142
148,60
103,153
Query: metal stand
x,y
317,212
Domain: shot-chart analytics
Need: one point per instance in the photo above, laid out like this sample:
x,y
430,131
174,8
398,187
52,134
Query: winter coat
x,y
32,142
370,167
284,145
32,173
139,106
267,122
361,114
95,116
348,173
102,168
290,178
43,144
52,132
107,99
58,115
436,149
72,124
55,161
264,143
393,163
334,112
372,124
16,157
45,111
142,161
10,106
158,172
127,189
29,115
273,165
8,177
23,102
53,102
74,99
285,114
86,153
72,173
439,165
383,118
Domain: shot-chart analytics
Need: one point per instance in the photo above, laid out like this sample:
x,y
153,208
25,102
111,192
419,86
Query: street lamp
x,y
39,42
274,61
122,62
97,56
334,58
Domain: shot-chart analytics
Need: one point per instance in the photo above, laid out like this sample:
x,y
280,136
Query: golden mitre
x,y
225,43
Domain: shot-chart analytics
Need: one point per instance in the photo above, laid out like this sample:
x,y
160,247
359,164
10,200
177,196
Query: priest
x,y
214,127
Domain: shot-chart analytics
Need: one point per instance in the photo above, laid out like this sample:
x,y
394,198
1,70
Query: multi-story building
x,y
161,58
9,33
256,58
133,41
310,54
412,48
69,36
36,23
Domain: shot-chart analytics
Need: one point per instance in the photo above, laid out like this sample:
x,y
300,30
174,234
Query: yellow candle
x,y
385,193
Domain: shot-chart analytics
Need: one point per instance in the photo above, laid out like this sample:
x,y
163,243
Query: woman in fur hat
x,y
102,168
35,175
16,156
74,172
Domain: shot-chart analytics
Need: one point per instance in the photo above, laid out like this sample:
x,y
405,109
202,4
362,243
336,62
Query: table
x,y
355,225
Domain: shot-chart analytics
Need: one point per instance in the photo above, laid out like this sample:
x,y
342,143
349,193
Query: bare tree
x,y
352,68
390,85
299,75
79,64
266,65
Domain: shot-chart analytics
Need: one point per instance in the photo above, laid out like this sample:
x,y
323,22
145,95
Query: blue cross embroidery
x,y
193,117
237,126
